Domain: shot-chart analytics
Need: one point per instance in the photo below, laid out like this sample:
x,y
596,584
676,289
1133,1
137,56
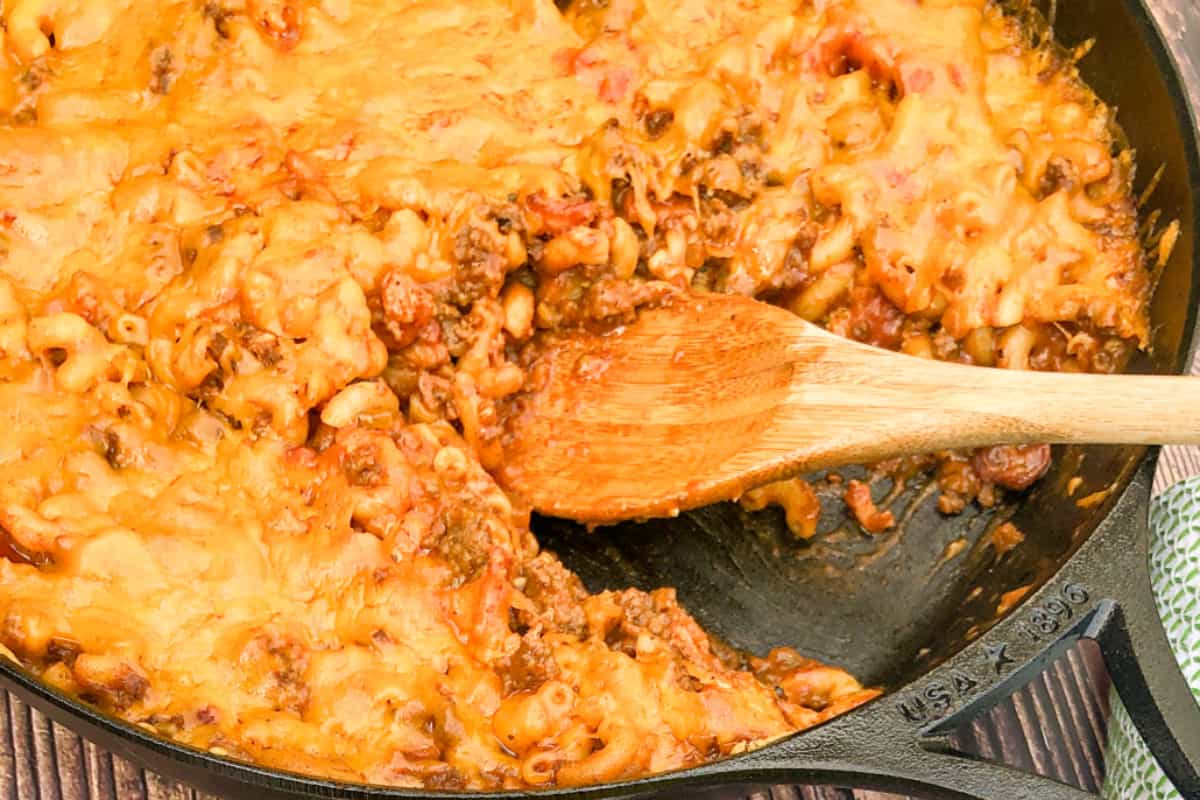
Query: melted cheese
x,y
267,268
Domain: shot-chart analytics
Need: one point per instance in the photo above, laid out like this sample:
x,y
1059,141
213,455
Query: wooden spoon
x,y
708,396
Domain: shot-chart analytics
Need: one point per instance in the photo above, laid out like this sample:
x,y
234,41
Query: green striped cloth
x,y
1133,774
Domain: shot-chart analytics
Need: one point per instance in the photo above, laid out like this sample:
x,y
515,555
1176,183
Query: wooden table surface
x,y
1055,726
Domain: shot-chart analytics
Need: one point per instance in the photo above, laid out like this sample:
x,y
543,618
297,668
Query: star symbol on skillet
x,y
996,654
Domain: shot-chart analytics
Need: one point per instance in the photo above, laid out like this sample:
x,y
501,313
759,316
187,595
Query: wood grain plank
x,y
129,782
1014,745
100,780
815,793
8,765
1083,770
981,737
1096,677
45,757
1060,763
1090,718
1178,463
159,788
70,765
24,754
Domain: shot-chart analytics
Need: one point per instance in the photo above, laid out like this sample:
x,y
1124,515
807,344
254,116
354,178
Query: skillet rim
x,y
132,741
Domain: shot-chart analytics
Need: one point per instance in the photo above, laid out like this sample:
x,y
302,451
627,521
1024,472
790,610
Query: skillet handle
x,y
901,742
1145,673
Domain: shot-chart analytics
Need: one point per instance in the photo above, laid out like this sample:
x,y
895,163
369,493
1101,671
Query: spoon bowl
x,y
707,396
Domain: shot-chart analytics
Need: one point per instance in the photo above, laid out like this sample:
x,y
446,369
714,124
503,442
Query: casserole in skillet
x,y
268,270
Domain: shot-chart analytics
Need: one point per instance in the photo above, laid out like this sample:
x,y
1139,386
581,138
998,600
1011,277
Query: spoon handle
x,y
1109,409
913,405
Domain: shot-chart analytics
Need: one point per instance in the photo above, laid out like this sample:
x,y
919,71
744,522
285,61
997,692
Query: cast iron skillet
x,y
893,610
